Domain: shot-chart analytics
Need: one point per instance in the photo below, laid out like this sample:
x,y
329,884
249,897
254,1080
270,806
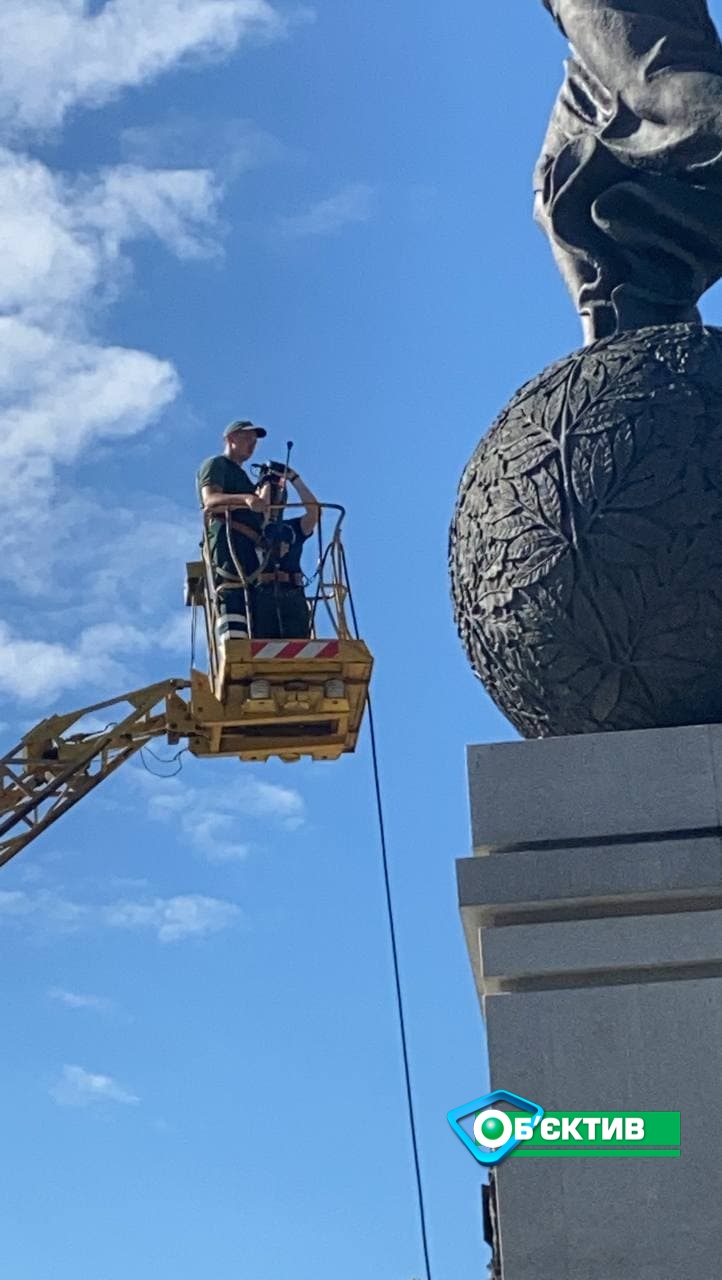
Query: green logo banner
x,y
603,1134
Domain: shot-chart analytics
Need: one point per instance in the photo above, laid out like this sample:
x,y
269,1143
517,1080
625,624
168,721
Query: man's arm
x,y
309,519
216,501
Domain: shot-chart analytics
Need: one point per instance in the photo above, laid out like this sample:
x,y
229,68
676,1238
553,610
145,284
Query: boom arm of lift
x,y
303,698
53,767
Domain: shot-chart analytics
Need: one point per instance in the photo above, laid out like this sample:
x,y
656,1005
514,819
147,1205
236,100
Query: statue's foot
x,y
630,310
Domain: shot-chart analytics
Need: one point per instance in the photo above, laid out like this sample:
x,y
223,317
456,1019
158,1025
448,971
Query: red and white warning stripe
x,y
294,648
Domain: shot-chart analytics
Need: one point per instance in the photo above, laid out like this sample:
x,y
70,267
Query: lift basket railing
x,y
327,586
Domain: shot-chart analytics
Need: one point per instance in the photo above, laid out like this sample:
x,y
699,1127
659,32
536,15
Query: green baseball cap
x,y
243,424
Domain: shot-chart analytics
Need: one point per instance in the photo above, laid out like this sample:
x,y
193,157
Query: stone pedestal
x,y
593,913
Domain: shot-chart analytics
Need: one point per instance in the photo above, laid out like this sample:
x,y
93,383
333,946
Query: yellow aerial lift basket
x,y
288,698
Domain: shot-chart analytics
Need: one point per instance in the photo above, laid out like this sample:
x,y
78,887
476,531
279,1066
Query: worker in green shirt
x,y
236,511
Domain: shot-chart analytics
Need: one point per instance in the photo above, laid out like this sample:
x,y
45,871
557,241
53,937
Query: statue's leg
x,y
662,59
573,168
584,272
630,179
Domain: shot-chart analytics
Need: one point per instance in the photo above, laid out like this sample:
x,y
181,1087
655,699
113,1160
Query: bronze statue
x,y
629,182
586,549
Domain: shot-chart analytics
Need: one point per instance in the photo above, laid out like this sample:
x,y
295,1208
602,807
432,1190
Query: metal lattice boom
x,y
51,768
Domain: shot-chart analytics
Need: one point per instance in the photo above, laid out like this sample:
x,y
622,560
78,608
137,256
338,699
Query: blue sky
x,y
319,217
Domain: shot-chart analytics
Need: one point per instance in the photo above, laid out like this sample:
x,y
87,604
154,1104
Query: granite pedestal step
x,y
593,915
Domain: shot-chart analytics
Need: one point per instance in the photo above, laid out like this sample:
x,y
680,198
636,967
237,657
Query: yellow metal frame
x,y
285,707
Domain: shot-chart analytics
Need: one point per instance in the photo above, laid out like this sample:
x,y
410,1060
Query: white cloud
x,y
55,54
38,671
353,203
74,1000
60,396
77,1087
61,393
130,202
270,800
35,669
46,261
43,907
169,919
173,919
218,821
61,236
227,146
14,903
129,568
214,834
62,242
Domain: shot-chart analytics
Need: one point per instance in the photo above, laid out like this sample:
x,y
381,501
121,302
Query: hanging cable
x,y
177,760
397,973
399,996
